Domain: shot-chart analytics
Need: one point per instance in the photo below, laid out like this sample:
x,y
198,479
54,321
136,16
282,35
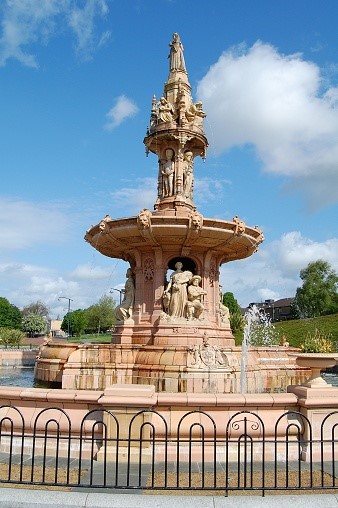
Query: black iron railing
x,y
143,451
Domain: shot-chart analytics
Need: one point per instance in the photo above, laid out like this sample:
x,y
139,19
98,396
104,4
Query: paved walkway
x,y
25,498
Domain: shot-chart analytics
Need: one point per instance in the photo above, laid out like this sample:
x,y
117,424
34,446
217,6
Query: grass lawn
x,y
102,338
296,330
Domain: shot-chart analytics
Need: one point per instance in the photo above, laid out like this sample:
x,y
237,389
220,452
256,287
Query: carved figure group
x,y
182,297
124,311
207,356
195,114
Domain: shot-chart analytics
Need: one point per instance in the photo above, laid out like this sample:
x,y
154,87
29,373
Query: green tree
x,y
319,293
236,318
75,322
33,325
10,315
37,308
101,316
230,301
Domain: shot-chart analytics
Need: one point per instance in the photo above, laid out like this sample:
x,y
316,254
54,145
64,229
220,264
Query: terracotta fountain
x,y
172,330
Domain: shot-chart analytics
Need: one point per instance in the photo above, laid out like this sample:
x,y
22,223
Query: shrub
x,y
319,342
11,336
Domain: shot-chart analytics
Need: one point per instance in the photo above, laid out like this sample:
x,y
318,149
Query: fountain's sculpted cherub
x,y
124,311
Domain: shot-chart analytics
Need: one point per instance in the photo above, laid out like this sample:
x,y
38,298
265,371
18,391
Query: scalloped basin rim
x,y
317,361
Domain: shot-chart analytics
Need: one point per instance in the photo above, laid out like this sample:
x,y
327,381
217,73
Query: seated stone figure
x,y
124,311
195,307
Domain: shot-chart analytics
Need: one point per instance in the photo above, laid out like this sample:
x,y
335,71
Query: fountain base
x,y
203,368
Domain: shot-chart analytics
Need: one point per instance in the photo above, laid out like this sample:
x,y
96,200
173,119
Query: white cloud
x,y
124,108
133,199
273,272
23,284
276,102
207,189
81,20
29,21
90,272
23,224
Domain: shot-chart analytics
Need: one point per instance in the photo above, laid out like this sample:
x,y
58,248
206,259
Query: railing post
x,y
316,404
125,401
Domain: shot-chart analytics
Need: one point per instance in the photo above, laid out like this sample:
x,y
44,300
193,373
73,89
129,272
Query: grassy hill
x,y
295,331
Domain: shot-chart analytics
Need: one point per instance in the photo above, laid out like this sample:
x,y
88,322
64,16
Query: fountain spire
x,y
176,136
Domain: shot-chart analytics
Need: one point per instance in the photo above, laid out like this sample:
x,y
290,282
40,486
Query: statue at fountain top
x,y
176,56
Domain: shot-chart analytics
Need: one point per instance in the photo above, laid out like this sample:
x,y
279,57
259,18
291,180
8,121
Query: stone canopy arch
x,y
188,264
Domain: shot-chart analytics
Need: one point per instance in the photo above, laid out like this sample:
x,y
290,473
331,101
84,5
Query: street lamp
x,y
69,300
121,291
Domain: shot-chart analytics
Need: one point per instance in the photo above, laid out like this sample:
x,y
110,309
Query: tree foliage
x,y
33,325
77,322
230,301
10,315
236,318
98,318
37,308
319,293
101,316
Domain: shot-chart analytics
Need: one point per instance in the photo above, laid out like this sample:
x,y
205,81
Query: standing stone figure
x,y
175,296
167,171
125,309
195,307
188,174
177,62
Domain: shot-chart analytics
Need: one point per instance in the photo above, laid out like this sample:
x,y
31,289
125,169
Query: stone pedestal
x,y
319,407
127,423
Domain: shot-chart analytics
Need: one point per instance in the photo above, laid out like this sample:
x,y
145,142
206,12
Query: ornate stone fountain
x,y
172,329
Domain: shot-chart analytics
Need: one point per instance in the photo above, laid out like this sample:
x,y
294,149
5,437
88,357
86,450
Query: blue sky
x,y
77,79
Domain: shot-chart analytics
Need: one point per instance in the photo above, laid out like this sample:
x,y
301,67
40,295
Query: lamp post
x,y
121,291
69,300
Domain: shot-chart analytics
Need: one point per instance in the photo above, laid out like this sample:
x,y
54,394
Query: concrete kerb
x,y
25,498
